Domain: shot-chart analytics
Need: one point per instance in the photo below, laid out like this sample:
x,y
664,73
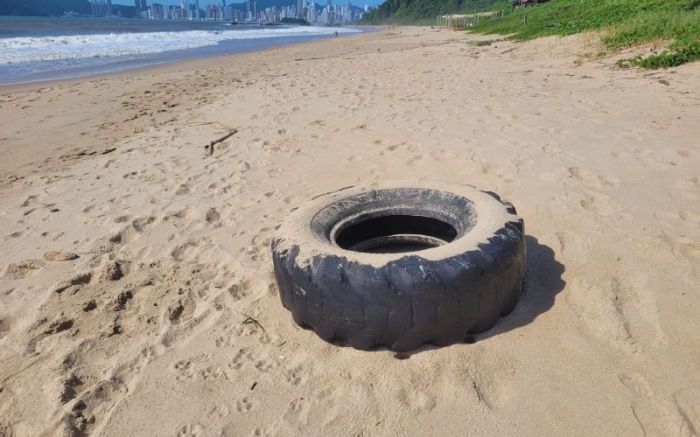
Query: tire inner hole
x,y
394,234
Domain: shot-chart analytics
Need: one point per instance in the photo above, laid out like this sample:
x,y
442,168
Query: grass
x,y
678,53
627,23
422,12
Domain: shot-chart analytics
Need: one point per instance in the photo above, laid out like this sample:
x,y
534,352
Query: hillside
x,y
43,7
412,11
624,23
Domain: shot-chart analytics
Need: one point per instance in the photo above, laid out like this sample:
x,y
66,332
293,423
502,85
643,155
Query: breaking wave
x,y
53,48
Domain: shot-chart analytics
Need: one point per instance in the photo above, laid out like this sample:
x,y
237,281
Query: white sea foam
x,y
53,48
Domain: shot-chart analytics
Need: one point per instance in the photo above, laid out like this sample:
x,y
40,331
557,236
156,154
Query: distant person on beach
x,y
336,34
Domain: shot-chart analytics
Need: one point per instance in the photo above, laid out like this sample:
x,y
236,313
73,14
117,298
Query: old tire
x,y
400,265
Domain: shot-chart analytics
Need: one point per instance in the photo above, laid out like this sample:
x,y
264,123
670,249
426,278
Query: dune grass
x,y
627,23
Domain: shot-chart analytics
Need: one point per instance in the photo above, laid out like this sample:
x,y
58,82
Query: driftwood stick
x,y
210,146
250,320
231,133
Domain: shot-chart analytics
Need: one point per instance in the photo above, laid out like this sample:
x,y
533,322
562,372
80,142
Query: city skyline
x,y
359,3
248,12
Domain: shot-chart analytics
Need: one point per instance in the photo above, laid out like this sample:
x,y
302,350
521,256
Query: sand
x,y
169,321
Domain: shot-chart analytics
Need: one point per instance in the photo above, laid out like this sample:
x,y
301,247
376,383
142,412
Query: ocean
x,y
36,49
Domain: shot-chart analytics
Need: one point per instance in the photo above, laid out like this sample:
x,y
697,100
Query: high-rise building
x,y
183,9
101,8
141,8
196,12
157,11
300,8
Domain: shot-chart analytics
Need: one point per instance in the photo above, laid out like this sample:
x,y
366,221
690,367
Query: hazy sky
x,y
177,2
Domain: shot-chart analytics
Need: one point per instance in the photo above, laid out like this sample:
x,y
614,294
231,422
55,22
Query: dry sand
x,y
169,322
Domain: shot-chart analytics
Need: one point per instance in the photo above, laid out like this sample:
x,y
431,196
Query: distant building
x,y
157,11
217,10
184,10
101,8
213,12
140,9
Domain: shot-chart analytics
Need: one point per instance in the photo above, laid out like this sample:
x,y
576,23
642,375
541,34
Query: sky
x,y
177,2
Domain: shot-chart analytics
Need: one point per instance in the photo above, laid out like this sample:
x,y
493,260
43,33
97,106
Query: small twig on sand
x,y
210,147
248,320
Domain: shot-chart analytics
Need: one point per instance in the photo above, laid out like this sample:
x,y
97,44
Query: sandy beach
x,y
169,323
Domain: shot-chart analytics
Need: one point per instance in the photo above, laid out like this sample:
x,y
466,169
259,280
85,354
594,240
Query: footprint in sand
x,y
74,284
122,219
417,401
266,364
621,313
184,251
220,411
94,406
298,375
655,415
242,357
212,215
191,430
601,313
22,269
184,370
183,189
689,217
181,310
265,432
573,247
132,231
189,368
260,243
70,386
597,204
5,327
211,372
114,270
244,405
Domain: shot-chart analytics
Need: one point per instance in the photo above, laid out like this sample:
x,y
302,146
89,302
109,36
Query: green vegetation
x,y
44,7
626,22
297,21
678,53
424,11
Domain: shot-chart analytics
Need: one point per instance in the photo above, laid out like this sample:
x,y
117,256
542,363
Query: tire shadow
x,y
542,284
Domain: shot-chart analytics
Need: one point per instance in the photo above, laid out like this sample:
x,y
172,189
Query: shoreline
x,y
139,79
146,328
156,63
